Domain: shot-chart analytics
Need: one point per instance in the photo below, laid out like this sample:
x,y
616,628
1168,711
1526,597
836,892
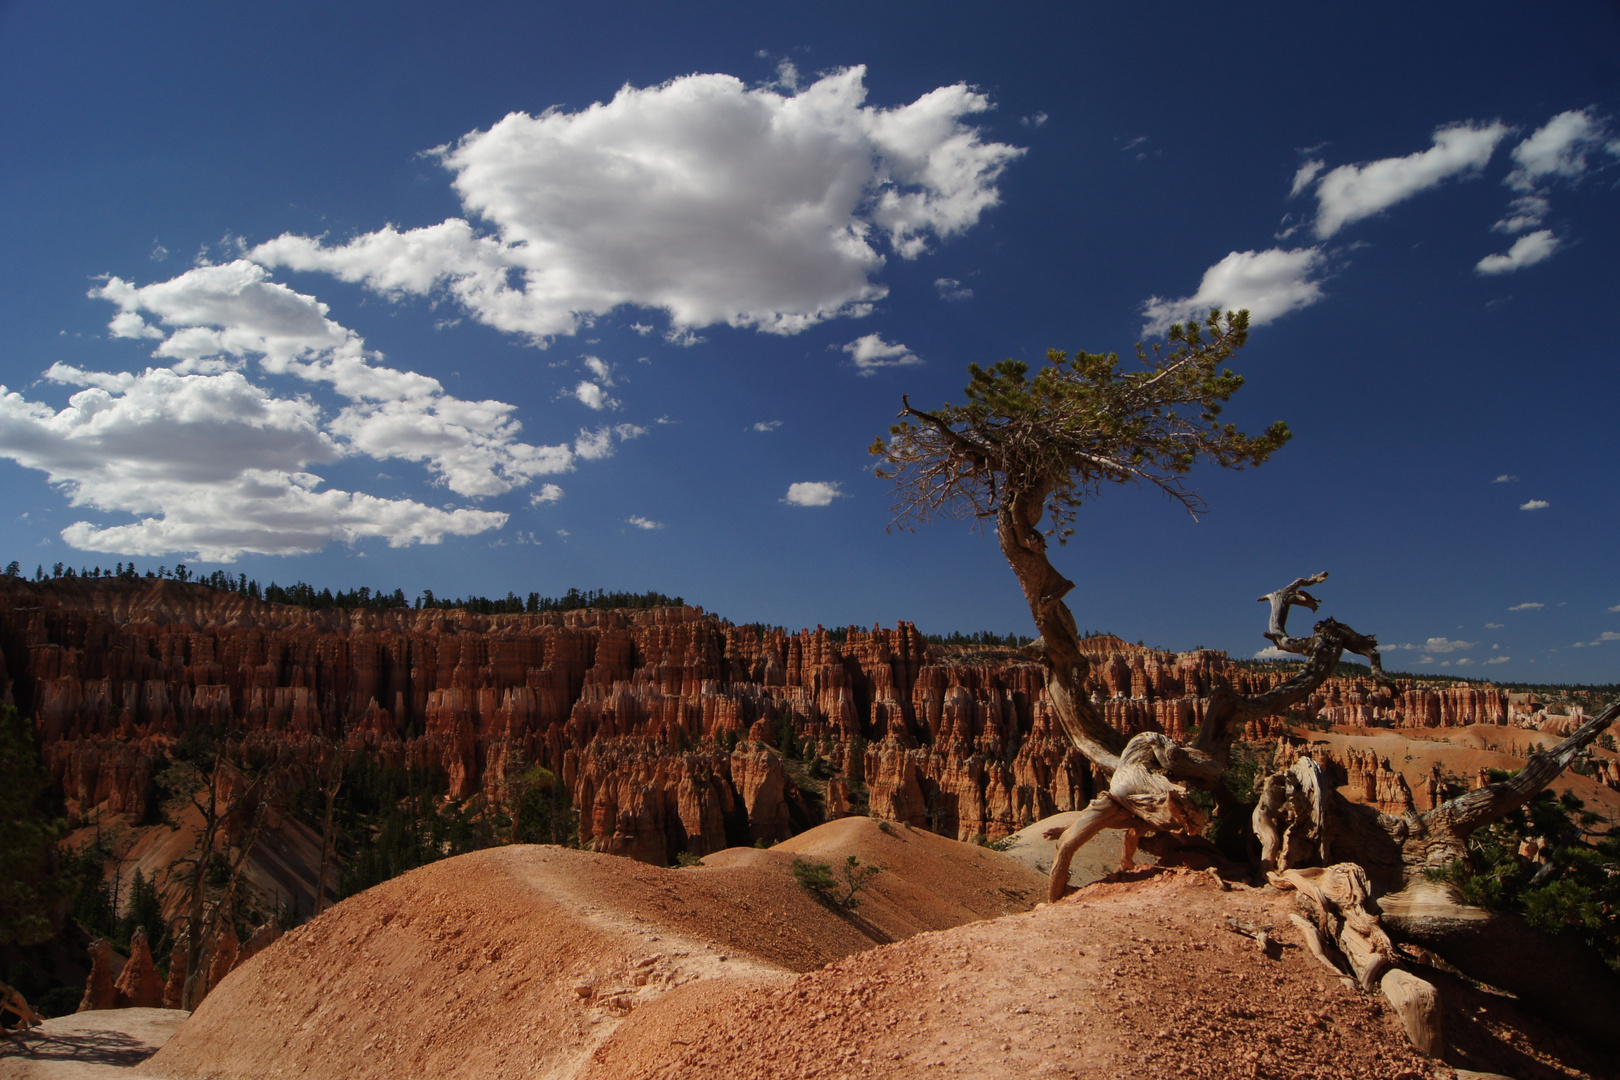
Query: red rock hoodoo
x,y
665,724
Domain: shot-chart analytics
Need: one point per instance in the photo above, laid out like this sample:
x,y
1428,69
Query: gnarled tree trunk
x,y
1303,821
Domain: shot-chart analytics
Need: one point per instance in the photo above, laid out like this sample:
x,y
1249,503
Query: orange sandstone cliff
x,y
663,723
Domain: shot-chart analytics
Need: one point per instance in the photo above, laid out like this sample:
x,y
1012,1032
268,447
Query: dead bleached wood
x,y
1141,798
1301,820
1151,775
1335,901
1261,934
1318,946
1417,1003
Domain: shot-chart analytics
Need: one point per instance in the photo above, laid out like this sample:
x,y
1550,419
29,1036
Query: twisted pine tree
x,y
1026,452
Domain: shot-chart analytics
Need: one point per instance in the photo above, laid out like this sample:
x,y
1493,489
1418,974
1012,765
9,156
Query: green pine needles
x,y
1056,438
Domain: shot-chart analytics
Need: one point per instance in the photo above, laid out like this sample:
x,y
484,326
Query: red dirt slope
x,y
542,962
1126,978
520,961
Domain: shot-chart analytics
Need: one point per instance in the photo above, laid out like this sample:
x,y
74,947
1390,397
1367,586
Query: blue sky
x,y
524,296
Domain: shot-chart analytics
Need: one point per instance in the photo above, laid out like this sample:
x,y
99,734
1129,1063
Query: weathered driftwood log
x,y
1417,1003
1335,899
1150,775
12,1001
1302,821
1141,798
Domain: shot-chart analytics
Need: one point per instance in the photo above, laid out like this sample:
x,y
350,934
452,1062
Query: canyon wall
x,y
666,724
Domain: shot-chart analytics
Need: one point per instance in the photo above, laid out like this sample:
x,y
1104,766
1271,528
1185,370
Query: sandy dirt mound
x,y
89,1045
521,961
1132,978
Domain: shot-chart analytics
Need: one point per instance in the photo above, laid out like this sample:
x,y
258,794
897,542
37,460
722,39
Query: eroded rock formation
x,y
667,725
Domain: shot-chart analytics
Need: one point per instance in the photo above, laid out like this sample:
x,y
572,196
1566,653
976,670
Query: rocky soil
x,y
540,962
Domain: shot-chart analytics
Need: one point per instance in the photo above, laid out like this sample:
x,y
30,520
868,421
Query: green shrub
x,y
818,878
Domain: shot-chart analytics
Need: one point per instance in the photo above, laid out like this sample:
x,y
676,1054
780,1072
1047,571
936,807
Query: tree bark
x,y
1058,648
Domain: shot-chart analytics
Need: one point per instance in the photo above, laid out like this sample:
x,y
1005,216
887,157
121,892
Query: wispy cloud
x,y
1434,645
643,523
599,368
1531,606
1505,478
1527,250
1499,659
598,444
767,425
1350,193
548,493
1602,639
1560,149
1305,175
1535,504
951,289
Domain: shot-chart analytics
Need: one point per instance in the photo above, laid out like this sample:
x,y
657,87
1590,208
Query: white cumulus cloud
x,y
767,425
1559,149
1268,283
714,202
593,396
215,318
1350,193
1535,504
813,493
644,523
1531,606
1505,478
1499,659
208,464
548,493
213,455
1527,250
871,352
